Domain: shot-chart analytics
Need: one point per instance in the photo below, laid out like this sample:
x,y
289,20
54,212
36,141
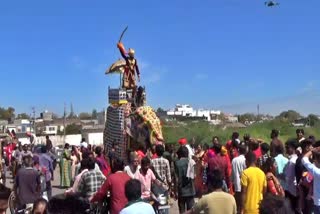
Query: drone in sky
x,y
271,3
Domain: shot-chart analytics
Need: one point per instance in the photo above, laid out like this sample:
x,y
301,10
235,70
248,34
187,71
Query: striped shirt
x,y
162,167
90,183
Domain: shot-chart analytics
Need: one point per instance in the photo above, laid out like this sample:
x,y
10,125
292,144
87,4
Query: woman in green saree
x,y
65,167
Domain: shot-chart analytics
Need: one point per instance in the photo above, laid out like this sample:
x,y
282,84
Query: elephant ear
x,y
143,134
137,129
152,121
133,126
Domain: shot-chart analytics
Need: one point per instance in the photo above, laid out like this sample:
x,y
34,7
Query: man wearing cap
x,y
32,138
184,142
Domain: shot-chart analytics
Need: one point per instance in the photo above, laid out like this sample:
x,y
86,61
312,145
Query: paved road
x,y
57,190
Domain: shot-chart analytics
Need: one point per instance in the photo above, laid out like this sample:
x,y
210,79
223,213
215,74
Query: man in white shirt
x,y
133,168
290,174
238,165
84,143
32,138
184,142
135,204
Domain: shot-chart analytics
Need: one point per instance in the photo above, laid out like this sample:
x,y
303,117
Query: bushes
x,y
203,131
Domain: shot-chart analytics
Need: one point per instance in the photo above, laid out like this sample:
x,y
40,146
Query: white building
x,y
46,116
50,130
231,118
188,111
20,126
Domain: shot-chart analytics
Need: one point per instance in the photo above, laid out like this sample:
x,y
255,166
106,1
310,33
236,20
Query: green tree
x,y
73,129
160,110
84,116
289,115
247,117
23,116
94,114
313,119
7,114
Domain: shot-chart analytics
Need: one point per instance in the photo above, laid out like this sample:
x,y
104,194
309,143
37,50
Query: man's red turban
x,y
182,141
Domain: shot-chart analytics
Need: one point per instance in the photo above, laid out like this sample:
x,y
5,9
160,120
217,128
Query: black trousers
x,y
293,200
185,203
49,189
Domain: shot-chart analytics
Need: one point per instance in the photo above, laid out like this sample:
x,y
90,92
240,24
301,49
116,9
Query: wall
x,y
93,139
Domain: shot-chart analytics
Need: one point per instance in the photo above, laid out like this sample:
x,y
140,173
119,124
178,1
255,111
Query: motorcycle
x,y
13,205
160,204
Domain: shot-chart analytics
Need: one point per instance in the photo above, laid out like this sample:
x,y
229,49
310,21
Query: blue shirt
x,y
46,161
281,163
315,171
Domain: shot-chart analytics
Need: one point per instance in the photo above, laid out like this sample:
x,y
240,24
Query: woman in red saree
x,y
273,184
102,162
199,169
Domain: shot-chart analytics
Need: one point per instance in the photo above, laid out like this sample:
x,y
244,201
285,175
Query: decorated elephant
x,y
143,127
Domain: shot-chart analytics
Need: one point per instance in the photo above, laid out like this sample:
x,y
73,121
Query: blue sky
x,y
227,54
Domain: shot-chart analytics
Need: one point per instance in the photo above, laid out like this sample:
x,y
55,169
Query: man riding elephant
x,y
131,68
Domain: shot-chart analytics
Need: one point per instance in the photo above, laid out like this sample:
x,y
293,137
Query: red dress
x,y
229,171
9,150
198,182
103,165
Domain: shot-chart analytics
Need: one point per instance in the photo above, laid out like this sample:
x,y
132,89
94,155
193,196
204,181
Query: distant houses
x,y
19,126
47,124
186,111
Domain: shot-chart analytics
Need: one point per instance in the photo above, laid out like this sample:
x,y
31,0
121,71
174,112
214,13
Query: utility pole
x,y
34,119
64,120
71,115
258,108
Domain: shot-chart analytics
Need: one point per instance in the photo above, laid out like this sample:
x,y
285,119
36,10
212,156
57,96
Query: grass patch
x,y
203,131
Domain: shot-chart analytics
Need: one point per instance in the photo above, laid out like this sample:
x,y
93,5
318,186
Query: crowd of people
x,y
241,176
256,177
